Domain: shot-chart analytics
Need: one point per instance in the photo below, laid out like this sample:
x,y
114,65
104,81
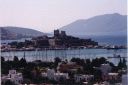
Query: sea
x,y
107,39
102,40
49,55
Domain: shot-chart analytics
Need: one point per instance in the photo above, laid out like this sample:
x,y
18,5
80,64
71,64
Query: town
x,y
61,71
74,71
60,40
77,71
63,42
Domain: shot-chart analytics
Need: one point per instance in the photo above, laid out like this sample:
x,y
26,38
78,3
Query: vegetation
x,y
8,82
32,70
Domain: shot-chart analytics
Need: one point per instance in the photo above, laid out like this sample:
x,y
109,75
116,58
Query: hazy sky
x,y
46,15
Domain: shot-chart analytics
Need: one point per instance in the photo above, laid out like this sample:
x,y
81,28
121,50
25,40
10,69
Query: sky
x,y
47,15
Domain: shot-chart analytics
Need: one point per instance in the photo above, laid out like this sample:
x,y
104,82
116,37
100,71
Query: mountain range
x,y
18,32
102,25
108,24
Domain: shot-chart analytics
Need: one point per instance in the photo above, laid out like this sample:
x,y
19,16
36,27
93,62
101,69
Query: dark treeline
x,y
32,70
27,43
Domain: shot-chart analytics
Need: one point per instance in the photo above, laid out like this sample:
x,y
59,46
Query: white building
x,y
13,76
51,74
81,77
44,74
102,83
58,76
113,76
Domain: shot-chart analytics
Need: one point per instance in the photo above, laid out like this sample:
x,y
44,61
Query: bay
x,y
49,55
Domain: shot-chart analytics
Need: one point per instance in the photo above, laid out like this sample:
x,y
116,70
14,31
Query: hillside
x,y
108,24
18,32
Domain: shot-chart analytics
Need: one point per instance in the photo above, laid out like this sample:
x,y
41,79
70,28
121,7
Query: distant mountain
x,y
18,32
108,24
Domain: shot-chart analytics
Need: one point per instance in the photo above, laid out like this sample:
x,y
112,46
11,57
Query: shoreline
x,y
44,49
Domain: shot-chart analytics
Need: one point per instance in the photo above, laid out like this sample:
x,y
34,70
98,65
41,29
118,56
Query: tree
x,y
56,61
78,61
95,62
15,59
88,68
124,62
97,75
20,44
36,75
15,62
27,73
22,62
120,64
13,44
88,61
8,82
102,60
2,59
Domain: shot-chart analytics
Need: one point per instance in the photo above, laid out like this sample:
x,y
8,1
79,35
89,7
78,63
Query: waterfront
x,y
15,40
49,55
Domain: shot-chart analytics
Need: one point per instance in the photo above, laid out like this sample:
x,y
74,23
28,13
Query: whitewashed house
x,y
13,76
102,83
113,76
44,74
58,76
81,77
52,75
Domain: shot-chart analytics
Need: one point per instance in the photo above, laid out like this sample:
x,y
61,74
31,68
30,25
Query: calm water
x,y
111,40
49,55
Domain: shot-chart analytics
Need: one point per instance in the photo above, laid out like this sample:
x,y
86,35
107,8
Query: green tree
x,y
97,75
102,60
15,62
120,64
56,61
2,59
15,59
22,62
8,82
124,62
